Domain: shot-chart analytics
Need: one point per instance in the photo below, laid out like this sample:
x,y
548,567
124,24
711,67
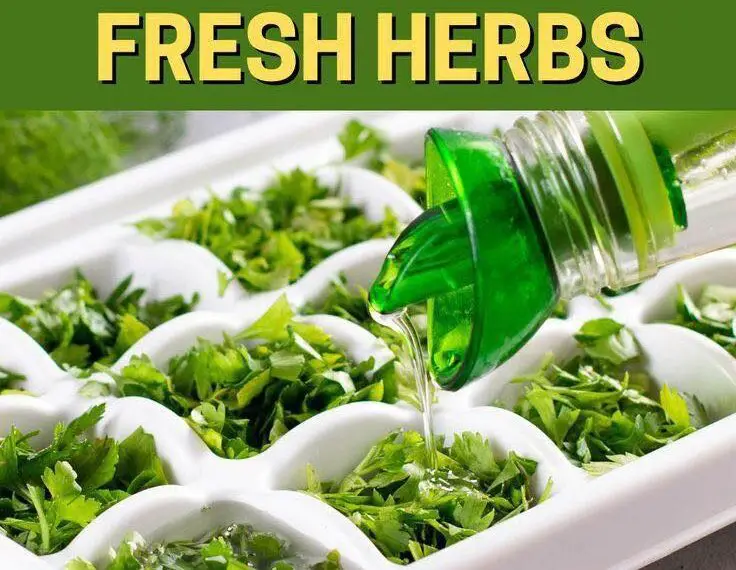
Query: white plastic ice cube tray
x,y
622,520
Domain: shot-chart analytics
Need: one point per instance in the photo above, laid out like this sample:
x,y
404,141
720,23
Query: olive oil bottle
x,y
563,204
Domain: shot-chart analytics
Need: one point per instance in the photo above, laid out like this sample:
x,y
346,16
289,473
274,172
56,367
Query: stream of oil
x,y
401,324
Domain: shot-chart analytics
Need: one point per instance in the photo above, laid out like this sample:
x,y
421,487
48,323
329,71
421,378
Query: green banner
x,y
433,54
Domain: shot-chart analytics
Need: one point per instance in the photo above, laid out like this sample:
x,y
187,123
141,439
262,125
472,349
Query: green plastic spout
x,y
475,256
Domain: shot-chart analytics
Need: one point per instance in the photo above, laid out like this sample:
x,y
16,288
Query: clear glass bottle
x,y
563,204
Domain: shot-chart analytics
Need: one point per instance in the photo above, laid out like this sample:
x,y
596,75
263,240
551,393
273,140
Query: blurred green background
x,y
46,153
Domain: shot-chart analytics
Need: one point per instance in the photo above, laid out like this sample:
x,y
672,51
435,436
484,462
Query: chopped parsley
x,y
360,140
561,310
271,239
242,395
78,328
235,547
714,315
46,153
599,407
409,511
48,495
351,304
10,381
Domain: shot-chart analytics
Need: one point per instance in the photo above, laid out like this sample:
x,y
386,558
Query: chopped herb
x,y
561,310
272,239
240,398
598,468
48,495
608,292
598,407
409,511
713,316
48,152
359,139
351,304
235,547
78,328
407,175
9,380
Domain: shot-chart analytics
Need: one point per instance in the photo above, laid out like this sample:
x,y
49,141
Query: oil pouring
x,y
400,322
563,204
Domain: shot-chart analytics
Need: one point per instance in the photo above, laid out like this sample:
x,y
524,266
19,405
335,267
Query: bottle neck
x,y
600,229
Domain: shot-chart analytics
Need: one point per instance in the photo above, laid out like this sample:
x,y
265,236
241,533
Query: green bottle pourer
x,y
515,224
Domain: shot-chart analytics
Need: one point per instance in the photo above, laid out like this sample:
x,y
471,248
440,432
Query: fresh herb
x,y
45,153
409,511
78,328
9,380
608,292
351,304
235,547
713,316
358,139
240,398
48,495
598,407
561,310
272,239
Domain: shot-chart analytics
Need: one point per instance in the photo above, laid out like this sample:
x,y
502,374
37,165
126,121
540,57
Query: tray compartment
x,y
120,420
672,355
363,188
366,423
179,513
654,301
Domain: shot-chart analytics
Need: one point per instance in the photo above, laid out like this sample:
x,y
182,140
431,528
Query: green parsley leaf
x,y
78,328
139,466
272,325
48,495
607,339
235,547
675,407
242,395
410,511
271,239
598,407
358,138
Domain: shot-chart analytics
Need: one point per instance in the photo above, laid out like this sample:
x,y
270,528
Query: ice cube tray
x,y
622,520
